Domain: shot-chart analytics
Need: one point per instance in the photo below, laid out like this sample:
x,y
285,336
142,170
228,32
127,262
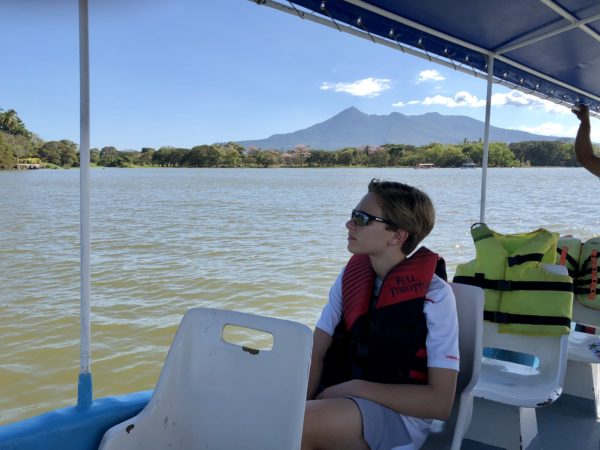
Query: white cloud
x,y
368,87
411,102
520,99
460,99
558,129
550,129
429,75
465,99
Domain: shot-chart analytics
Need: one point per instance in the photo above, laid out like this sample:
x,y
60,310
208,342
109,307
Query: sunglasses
x,y
362,219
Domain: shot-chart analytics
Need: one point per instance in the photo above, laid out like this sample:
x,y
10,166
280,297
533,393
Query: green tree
x,y
127,159
236,147
359,157
501,156
69,157
202,156
473,151
51,153
60,153
11,123
321,158
94,156
169,156
7,159
345,156
398,152
23,146
452,156
267,158
146,156
543,153
231,157
108,156
378,157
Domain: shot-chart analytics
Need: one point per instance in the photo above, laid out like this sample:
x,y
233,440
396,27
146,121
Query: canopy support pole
x,y
486,136
84,385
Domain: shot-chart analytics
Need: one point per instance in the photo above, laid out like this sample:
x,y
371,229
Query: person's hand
x,y
345,389
581,111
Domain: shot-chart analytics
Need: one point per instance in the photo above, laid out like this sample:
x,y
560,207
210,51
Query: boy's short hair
x,y
408,207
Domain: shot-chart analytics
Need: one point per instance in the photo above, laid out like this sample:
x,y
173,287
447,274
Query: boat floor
x,y
569,423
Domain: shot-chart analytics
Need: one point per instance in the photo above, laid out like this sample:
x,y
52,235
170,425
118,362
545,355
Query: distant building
x,y
26,166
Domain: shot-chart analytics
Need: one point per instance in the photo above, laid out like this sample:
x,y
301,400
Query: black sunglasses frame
x,y
367,218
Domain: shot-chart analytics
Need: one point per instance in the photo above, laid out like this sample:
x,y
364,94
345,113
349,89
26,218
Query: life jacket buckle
x,y
500,317
504,285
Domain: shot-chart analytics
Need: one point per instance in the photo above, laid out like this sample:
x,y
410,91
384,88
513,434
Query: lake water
x,y
266,241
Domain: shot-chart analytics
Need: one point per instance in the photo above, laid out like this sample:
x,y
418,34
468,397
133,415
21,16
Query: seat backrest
x,y
586,316
469,308
216,394
550,351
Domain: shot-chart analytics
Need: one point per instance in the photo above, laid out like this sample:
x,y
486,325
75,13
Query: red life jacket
x,y
382,338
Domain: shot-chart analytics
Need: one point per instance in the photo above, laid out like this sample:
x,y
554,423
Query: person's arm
x,y
322,336
432,401
583,143
321,343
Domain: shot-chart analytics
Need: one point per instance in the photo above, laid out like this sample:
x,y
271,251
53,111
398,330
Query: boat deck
x,y
569,423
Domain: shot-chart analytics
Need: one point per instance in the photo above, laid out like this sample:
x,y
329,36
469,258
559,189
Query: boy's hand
x,y
345,389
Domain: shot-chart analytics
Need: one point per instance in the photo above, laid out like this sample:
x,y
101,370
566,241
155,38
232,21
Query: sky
x,y
190,72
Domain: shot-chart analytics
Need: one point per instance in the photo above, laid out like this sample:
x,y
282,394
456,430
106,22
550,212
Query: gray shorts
x,y
383,428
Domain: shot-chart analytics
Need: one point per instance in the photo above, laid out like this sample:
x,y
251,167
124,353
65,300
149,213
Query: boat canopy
x,y
547,48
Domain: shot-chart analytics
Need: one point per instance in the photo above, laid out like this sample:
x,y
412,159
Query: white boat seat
x,y
510,392
469,307
583,366
582,347
214,394
519,385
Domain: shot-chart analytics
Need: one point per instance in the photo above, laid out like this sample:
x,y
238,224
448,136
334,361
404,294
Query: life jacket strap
x,y
520,259
594,280
584,285
361,351
502,317
564,257
508,285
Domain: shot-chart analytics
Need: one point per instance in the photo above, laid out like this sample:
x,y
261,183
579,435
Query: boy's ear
x,y
400,237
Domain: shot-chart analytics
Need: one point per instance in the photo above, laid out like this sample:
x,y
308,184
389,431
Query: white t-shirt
x,y
442,335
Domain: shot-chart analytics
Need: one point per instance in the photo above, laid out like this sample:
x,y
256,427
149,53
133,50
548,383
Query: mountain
x,y
353,128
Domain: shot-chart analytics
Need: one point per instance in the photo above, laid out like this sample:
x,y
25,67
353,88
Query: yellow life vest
x,y
587,279
520,294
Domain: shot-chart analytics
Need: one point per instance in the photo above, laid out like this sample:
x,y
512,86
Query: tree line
x,y
19,145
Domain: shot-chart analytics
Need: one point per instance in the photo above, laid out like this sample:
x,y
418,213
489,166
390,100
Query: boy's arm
x,y
321,343
583,143
433,400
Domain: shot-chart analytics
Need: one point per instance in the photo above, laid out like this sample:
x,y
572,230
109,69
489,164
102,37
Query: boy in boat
x,y
385,350
583,142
